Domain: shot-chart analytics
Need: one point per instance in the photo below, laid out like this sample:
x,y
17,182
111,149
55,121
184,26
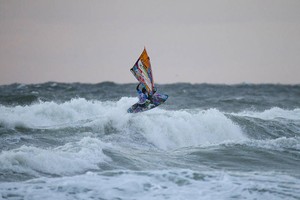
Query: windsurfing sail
x,y
143,72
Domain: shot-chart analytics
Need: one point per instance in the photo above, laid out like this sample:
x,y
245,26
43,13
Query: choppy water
x,y
76,141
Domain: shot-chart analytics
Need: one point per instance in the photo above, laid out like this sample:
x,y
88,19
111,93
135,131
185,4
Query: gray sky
x,y
211,41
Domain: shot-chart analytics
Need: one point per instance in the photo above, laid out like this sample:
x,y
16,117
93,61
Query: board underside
x,y
157,100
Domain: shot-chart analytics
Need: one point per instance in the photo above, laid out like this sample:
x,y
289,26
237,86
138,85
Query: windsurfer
x,y
148,99
142,95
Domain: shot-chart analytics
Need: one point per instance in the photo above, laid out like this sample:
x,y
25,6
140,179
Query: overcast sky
x,y
211,41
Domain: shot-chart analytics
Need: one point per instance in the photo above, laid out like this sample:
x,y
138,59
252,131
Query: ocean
x,y
76,141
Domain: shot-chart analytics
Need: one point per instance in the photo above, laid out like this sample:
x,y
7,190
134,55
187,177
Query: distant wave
x,y
272,114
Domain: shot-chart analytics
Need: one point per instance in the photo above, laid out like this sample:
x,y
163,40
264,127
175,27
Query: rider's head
x,y
144,90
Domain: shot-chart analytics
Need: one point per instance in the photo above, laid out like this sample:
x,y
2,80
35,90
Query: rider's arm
x,y
137,87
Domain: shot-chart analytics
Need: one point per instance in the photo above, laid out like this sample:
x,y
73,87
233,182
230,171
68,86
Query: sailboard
x,y
142,71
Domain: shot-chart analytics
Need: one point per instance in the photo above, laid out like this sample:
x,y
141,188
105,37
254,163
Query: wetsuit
x,y
142,97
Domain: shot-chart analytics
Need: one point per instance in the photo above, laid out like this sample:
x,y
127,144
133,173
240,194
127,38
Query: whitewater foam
x,y
165,129
69,159
165,184
176,129
52,114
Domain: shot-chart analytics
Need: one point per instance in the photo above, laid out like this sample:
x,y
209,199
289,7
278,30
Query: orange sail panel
x,y
143,72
